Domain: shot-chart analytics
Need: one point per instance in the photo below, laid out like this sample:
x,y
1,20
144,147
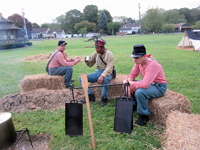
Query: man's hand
x,y
126,82
100,80
77,59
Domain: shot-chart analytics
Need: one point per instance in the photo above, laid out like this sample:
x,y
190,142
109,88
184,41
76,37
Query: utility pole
x,y
140,18
23,13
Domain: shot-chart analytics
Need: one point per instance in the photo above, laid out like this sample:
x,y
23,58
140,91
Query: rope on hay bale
x,y
114,91
171,101
182,131
39,81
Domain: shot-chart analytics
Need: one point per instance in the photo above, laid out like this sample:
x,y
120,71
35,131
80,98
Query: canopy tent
x,y
190,41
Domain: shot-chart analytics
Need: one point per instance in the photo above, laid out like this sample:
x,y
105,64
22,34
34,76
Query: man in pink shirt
x,y
152,85
61,65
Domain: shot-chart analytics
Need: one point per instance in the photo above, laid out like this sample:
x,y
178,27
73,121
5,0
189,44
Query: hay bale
x,y
182,131
171,101
39,81
114,91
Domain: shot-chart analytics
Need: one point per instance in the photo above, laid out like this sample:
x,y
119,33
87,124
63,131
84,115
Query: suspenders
x,y
105,57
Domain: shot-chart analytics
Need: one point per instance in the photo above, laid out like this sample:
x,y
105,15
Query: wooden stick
x,y
84,81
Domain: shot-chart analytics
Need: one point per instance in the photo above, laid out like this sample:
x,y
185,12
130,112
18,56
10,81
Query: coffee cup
x,y
87,58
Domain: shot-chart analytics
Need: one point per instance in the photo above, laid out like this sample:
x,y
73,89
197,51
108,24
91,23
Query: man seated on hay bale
x,y
61,65
152,85
104,60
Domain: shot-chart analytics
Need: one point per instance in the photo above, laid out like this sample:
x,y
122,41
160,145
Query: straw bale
x,y
114,91
171,101
39,81
182,131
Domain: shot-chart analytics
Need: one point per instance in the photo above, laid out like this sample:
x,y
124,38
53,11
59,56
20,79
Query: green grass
x,y
181,68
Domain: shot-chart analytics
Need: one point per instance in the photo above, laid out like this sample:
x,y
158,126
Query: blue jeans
x,y
141,97
67,71
93,77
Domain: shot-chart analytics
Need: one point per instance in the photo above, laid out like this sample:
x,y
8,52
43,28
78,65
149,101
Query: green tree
x,y
195,15
35,25
83,31
175,21
130,20
186,13
61,20
90,13
168,27
90,26
197,25
72,17
45,25
113,27
68,20
102,22
109,17
120,19
173,16
153,20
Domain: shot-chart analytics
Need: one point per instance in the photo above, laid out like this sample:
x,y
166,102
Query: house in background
x,y
37,33
56,33
181,27
130,28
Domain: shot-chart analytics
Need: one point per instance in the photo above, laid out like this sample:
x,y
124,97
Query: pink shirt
x,y
60,59
151,72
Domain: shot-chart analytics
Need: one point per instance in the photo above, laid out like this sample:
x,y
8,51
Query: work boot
x,y
103,101
142,120
91,98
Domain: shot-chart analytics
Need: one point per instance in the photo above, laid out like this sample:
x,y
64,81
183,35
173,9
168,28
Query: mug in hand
x,y
87,58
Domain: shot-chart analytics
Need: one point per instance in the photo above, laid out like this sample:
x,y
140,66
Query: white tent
x,y
190,41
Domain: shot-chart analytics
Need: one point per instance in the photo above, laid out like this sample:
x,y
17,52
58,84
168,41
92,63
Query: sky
x,y
43,11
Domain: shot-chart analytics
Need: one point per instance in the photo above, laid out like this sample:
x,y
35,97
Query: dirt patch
x,y
39,142
38,99
39,57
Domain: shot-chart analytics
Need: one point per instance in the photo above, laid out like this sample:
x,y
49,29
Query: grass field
x,y
182,70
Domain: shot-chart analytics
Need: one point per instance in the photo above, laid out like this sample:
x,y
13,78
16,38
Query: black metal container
x,y
123,121
7,130
74,118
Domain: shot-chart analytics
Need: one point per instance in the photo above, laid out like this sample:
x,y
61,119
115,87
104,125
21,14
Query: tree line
x,y
94,20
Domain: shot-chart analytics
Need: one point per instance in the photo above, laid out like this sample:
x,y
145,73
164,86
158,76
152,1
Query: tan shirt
x,y
100,65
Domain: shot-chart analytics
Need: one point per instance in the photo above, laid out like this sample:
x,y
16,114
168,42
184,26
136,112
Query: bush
x,y
146,32
133,32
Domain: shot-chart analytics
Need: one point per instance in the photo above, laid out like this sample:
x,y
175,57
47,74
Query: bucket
x,y
7,130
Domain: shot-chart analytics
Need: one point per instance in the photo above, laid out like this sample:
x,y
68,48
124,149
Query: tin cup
x,y
87,58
